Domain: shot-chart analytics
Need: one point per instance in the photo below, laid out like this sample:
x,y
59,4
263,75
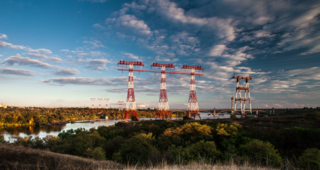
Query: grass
x,y
18,157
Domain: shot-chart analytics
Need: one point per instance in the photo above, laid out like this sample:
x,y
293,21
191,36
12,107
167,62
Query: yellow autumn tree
x,y
228,129
31,121
193,128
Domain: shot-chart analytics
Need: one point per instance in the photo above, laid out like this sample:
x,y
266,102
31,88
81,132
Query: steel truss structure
x,y
193,108
238,97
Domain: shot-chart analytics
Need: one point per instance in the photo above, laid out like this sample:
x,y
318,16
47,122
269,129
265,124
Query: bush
x,y
261,152
97,153
310,159
233,116
113,146
186,118
137,150
2,139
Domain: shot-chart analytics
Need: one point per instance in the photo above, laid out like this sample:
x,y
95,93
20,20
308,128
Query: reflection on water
x,y
13,132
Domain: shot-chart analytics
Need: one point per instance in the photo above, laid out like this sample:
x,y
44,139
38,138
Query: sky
x,y
58,53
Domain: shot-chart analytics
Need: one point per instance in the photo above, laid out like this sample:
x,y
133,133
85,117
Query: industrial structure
x,y
120,105
106,99
99,99
163,99
193,108
92,100
163,111
238,97
131,109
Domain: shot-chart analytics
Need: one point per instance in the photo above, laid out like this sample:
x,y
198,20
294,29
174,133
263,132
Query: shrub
x,y
201,150
2,139
114,145
233,116
50,141
186,118
261,152
79,143
137,150
310,159
25,141
97,153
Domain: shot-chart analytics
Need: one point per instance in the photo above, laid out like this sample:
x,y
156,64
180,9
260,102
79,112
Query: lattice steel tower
x,y
92,100
193,108
106,99
246,95
163,111
131,108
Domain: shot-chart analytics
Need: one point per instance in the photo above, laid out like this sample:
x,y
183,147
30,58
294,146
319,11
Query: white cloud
x,y
94,43
132,56
37,55
13,71
217,50
4,44
97,64
40,50
25,61
3,36
131,21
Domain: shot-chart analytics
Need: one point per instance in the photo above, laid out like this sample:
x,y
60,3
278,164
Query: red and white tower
x,y
163,98
131,109
92,100
246,95
99,99
106,99
193,108
120,105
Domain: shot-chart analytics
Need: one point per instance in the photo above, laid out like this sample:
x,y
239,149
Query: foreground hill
x,y
19,157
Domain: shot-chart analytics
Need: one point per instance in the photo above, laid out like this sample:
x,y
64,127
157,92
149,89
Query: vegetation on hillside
x,y
147,143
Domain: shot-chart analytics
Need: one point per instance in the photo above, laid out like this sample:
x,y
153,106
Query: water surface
x,y
10,134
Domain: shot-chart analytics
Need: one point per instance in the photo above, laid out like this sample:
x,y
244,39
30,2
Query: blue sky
x,y
58,53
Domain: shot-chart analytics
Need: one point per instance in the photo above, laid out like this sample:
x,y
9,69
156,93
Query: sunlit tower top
x,y
163,98
193,108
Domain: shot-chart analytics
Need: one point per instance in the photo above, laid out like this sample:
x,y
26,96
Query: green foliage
x,y
2,139
233,116
78,144
261,152
310,159
97,153
186,118
113,146
138,150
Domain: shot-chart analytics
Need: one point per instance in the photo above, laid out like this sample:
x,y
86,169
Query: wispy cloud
x,y
20,72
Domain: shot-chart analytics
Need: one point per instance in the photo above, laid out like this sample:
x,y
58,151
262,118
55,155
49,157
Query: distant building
x,y
3,105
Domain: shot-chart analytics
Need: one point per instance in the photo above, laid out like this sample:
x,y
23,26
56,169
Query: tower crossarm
x,y
167,72
243,99
137,63
163,65
242,88
240,77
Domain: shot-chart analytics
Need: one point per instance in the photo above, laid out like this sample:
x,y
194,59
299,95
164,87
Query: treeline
x,y
42,116
183,142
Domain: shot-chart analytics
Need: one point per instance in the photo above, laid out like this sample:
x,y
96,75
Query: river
x,y
11,133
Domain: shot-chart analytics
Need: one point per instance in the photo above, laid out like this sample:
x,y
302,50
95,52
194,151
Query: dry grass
x,y
18,158
199,166
21,158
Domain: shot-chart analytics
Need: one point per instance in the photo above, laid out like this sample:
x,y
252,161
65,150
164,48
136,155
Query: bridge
x,y
271,111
